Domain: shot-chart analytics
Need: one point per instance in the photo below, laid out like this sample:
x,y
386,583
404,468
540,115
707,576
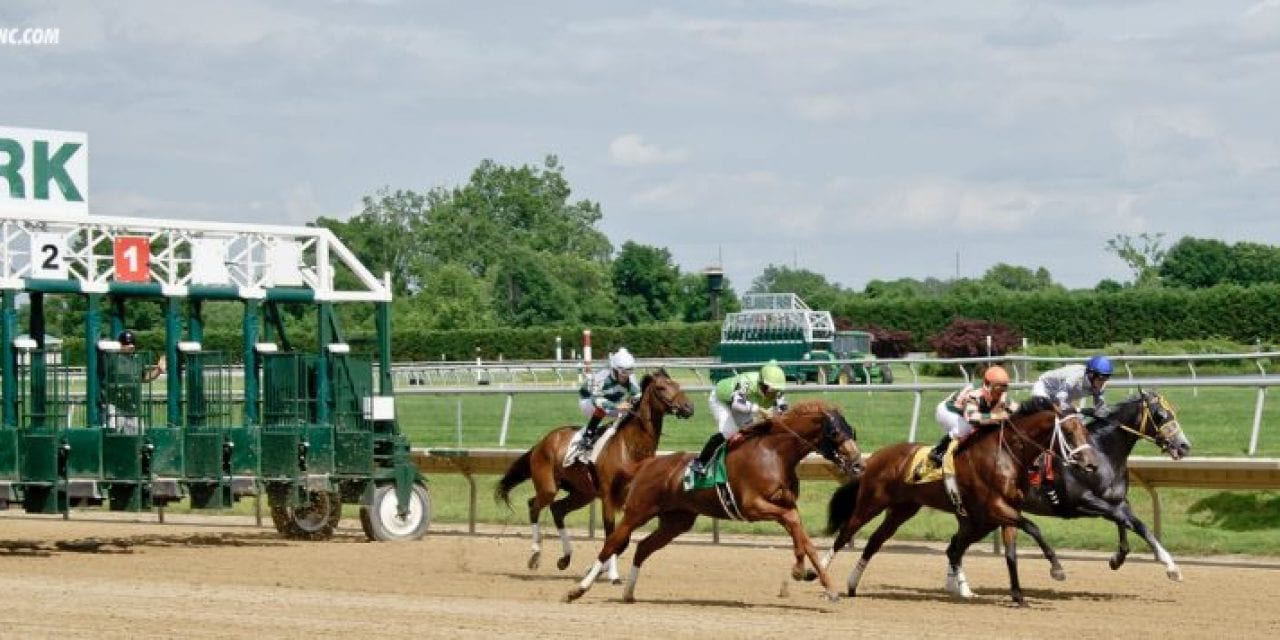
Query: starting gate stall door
x,y
42,451
353,433
207,445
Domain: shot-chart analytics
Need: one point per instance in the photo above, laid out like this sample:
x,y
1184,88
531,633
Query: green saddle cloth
x,y
715,473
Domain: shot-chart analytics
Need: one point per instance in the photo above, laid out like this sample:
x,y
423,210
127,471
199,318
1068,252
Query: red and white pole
x,y
586,352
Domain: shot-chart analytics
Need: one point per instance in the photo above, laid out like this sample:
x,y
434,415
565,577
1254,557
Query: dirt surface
x,y
216,578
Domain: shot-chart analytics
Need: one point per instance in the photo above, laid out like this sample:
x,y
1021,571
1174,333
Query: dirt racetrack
x,y
216,578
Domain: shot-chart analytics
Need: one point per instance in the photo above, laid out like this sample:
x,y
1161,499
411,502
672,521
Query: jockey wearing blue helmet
x,y
1067,385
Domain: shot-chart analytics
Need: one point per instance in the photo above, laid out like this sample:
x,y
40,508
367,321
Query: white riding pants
x,y
952,423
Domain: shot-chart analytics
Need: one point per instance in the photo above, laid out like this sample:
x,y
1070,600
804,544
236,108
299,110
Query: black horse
x,y
1113,433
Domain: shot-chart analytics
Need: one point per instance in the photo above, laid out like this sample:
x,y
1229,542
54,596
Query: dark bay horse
x,y
991,471
1113,434
762,478
636,438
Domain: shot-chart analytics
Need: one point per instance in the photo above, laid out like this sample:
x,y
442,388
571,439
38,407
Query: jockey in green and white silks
x,y
1066,386
738,401
607,392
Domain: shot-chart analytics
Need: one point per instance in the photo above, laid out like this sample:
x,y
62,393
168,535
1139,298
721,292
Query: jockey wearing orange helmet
x,y
968,408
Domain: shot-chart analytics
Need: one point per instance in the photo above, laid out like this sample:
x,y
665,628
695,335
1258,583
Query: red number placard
x,y
133,258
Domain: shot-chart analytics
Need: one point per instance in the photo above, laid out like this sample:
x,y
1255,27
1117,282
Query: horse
x,y
1113,434
991,469
762,486
636,438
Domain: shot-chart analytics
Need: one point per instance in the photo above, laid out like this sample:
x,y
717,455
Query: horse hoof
x,y
535,559
1175,574
574,594
1058,574
1020,603
852,593
831,596
615,581
1115,563
810,575
629,599
563,562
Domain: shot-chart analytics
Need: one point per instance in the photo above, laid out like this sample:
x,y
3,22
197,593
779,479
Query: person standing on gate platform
x,y
1066,386
963,411
123,380
608,392
740,400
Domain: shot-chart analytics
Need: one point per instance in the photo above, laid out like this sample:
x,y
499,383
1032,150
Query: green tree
x,y
386,236
694,300
1197,263
813,287
1016,278
1143,255
451,298
645,282
500,207
1254,263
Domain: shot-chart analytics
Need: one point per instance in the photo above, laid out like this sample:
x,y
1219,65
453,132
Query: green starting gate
x,y
310,428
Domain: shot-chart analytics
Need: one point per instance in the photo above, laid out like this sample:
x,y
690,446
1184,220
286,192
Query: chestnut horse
x,y
991,471
636,438
762,482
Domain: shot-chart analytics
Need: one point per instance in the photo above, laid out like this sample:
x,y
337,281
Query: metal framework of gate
x,y
309,428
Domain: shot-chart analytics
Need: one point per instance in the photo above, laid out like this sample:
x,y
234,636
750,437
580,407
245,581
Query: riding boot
x,y
589,435
939,450
700,463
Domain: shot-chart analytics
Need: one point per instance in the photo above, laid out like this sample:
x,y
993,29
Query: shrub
x,y
967,338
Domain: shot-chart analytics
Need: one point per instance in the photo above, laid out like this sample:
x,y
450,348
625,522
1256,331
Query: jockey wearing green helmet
x,y
740,400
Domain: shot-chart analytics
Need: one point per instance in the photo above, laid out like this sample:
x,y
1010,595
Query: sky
x,y
858,139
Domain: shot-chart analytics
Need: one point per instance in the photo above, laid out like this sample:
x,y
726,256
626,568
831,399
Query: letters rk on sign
x,y
133,258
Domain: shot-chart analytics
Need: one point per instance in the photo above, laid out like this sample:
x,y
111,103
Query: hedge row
x,y
1080,319
1089,319
675,340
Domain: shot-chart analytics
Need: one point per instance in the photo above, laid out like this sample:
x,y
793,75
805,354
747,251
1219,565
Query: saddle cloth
x,y
716,473
921,469
572,456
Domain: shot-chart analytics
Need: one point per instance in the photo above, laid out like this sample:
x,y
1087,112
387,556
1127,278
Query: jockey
x,y
607,392
740,400
968,408
1065,386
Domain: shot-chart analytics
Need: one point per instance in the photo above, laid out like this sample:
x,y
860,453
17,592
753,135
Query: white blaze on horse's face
x,y
1168,433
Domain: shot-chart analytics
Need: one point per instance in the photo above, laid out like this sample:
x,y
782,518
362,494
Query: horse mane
x,y
649,377
1034,404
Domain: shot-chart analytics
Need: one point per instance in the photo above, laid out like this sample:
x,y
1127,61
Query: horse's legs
x,y
615,544
1122,547
608,514
670,525
559,509
790,520
544,491
1170,567
851,526
1055,568
1010,536
892,520
957,582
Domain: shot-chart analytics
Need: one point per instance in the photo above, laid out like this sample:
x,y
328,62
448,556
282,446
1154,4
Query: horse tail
x,y
842,504
518,472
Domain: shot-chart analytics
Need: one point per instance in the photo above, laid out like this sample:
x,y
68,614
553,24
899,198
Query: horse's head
x,y
1158,422
1074,436
839,443
659,388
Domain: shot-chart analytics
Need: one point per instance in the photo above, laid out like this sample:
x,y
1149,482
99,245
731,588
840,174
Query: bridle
x,y
1164,433
827,447
1058,440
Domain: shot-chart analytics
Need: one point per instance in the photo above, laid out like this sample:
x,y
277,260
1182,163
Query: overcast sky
x,y
858,139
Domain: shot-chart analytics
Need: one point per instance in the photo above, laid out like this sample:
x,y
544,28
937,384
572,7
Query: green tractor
x,y
856,345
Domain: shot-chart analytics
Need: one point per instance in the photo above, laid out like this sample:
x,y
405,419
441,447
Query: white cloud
x,y
630,150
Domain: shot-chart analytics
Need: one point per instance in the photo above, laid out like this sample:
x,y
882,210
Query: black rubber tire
x,y
316,521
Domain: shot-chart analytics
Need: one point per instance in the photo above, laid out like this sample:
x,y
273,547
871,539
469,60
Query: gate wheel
x,y
381,522
315,520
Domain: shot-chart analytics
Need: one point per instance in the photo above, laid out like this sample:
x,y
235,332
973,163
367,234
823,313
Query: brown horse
x,y
762,481
991,471
635,439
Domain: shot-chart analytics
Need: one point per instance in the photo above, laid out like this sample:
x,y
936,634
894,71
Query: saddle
x,y
574,453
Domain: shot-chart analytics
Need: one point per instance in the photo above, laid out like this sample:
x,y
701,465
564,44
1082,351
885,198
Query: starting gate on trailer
x,y
310,428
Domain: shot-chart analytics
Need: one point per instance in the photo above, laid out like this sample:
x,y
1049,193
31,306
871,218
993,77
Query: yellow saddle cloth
x,y
921,469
